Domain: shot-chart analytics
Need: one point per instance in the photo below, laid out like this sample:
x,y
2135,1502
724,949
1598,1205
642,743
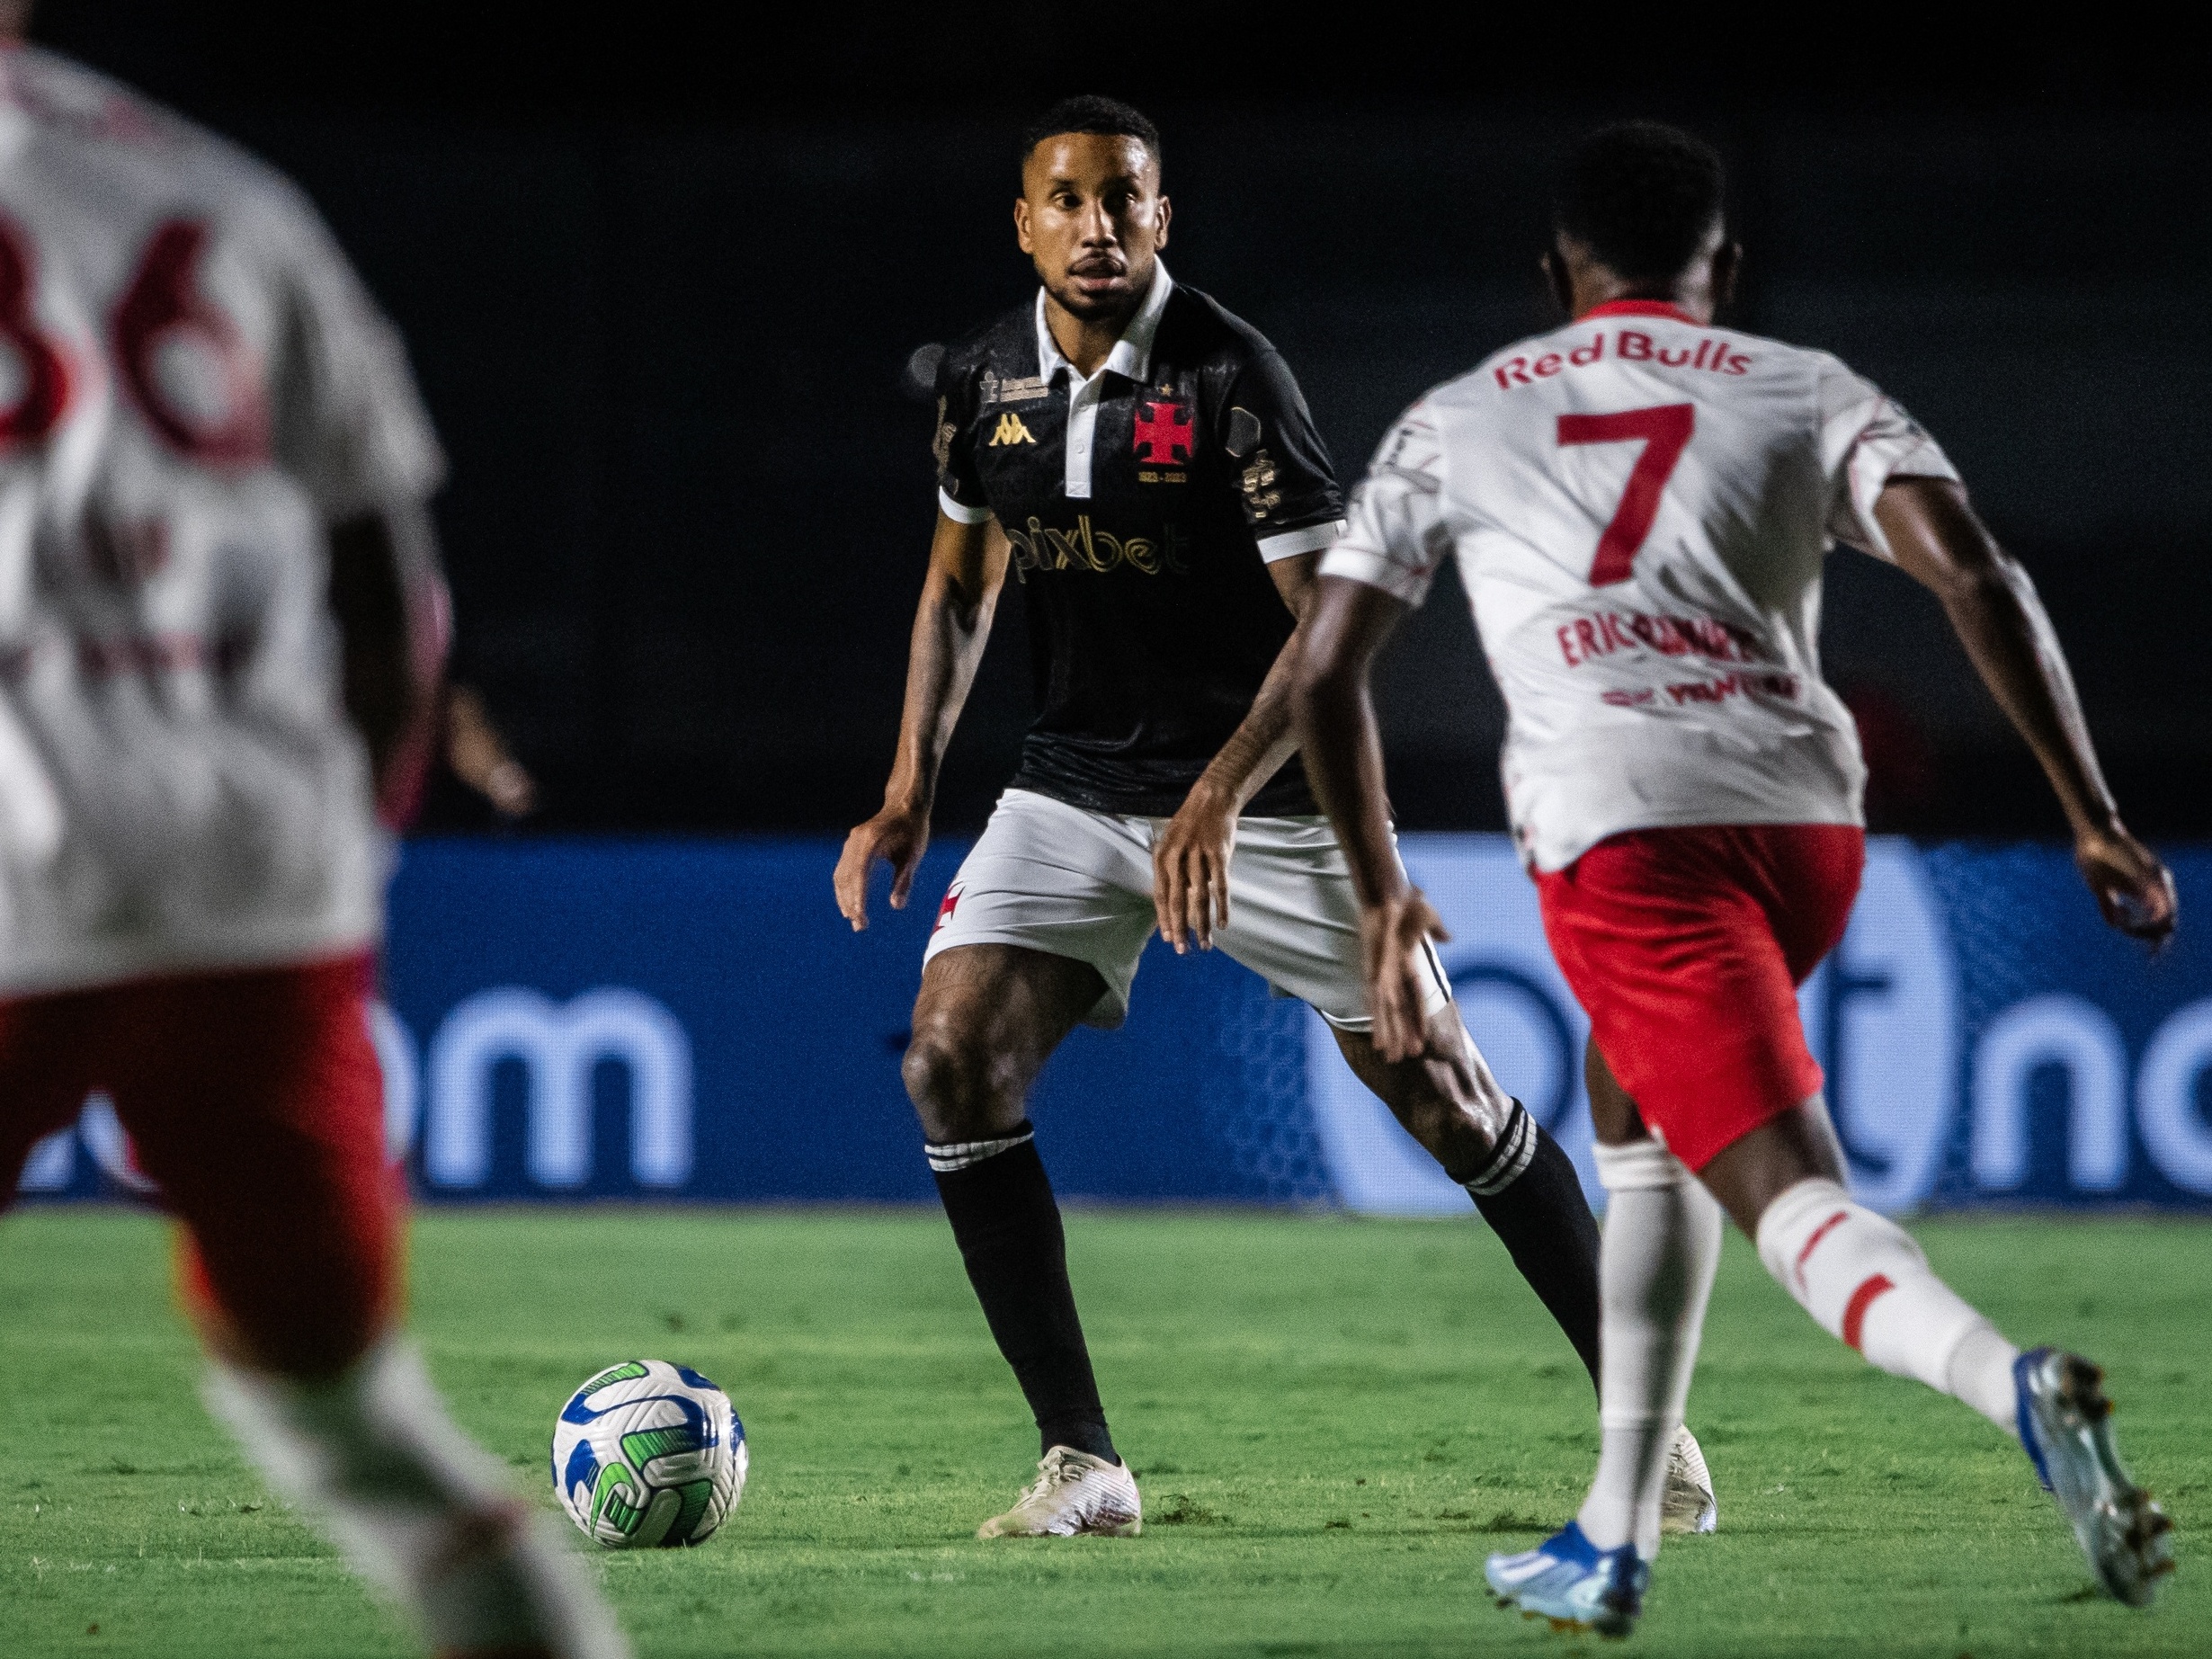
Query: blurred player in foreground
x,y
1640,504
217,583
1144,463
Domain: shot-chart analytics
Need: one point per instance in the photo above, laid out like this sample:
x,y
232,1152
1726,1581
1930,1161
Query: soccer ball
x,y
648,1454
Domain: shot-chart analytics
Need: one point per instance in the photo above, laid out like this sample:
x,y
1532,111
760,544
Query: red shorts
x,y
254,1098
1685,947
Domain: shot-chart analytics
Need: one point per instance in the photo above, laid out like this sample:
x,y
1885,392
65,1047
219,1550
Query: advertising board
x,y
692,1022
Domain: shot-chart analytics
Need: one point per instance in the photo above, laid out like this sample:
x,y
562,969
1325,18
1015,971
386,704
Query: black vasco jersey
x,y
1142,507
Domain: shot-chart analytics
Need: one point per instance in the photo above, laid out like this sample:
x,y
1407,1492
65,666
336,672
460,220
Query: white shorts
x,y
1071,882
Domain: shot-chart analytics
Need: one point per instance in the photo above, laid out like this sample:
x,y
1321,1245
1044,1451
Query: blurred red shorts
x,y
1685,947
254,1099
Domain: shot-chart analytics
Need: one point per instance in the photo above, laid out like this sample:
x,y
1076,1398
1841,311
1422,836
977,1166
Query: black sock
x,y
999,1200
1529,1194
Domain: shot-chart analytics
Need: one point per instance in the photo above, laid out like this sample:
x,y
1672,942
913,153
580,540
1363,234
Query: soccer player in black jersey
x,y
1142,461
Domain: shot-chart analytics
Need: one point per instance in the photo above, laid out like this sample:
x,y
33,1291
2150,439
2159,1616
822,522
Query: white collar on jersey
x,y
1131,357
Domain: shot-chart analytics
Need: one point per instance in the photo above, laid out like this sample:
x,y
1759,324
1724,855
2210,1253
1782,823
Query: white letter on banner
x,y
51,1164
395,1047
2052,1031
558,1046
111,1147
2174,1132
1882,1017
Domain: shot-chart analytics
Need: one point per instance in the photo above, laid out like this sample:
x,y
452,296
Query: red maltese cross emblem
x,y
1163,434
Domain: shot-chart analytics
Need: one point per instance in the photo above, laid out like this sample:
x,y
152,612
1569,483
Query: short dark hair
x,y
1641,197
1089,112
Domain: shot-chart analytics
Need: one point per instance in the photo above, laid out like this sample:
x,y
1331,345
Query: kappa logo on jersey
x,y
1163,439
1010,431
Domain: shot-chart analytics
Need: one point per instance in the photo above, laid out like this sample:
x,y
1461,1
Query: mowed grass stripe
x,y
1333,1419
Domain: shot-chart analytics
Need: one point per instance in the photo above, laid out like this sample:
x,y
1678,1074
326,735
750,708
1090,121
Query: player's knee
x,y
958,1086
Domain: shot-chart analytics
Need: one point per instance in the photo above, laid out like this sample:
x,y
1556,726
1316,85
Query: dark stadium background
x,y
660,269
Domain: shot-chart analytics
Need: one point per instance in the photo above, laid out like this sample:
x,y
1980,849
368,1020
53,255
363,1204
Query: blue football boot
x,y
2065,1422
1572,1583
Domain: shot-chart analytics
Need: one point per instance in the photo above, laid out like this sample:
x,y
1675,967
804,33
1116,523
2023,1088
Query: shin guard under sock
x,y
1532,1199
1004,1218
1864,1280
1662,1247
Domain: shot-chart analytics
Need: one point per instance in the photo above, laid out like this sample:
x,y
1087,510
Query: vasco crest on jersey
x,y
1160,438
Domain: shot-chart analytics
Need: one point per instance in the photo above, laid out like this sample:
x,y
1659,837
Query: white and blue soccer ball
x,y
647,1454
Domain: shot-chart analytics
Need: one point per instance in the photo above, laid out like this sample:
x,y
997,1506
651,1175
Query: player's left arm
x,y
1936,538
1288,495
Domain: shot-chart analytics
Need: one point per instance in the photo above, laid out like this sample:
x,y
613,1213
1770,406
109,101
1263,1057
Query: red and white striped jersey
x,y
194,387
1640,504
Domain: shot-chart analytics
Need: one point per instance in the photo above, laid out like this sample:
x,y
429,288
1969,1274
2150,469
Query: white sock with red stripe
x,y
1655,1272
1865,1281
417,1507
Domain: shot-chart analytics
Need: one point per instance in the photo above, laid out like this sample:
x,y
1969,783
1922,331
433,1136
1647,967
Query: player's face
x,y
1092,218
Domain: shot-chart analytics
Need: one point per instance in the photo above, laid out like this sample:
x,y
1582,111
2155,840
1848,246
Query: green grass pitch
x,y
1333,1421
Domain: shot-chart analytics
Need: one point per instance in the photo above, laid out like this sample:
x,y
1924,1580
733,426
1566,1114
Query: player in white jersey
x,y
217,587
1640,504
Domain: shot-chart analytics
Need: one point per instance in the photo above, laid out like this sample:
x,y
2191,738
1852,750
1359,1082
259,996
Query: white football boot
x,y
1688,1505
1075,1495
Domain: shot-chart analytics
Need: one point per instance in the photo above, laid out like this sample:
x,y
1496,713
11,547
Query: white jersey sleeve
x,y
347,423
1865,439
1394,537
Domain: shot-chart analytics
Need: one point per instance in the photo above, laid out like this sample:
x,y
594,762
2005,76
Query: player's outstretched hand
x,y
899,837
1191,871
2133,888
1392,936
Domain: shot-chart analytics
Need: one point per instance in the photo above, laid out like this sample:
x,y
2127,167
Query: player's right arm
x,y
1936,539
967,569
1395,540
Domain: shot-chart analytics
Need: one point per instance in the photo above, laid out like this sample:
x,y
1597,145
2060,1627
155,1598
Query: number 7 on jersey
x,y
1664,433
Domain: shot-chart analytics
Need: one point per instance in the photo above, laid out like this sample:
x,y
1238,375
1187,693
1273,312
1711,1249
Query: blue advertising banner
x,y
691,1021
